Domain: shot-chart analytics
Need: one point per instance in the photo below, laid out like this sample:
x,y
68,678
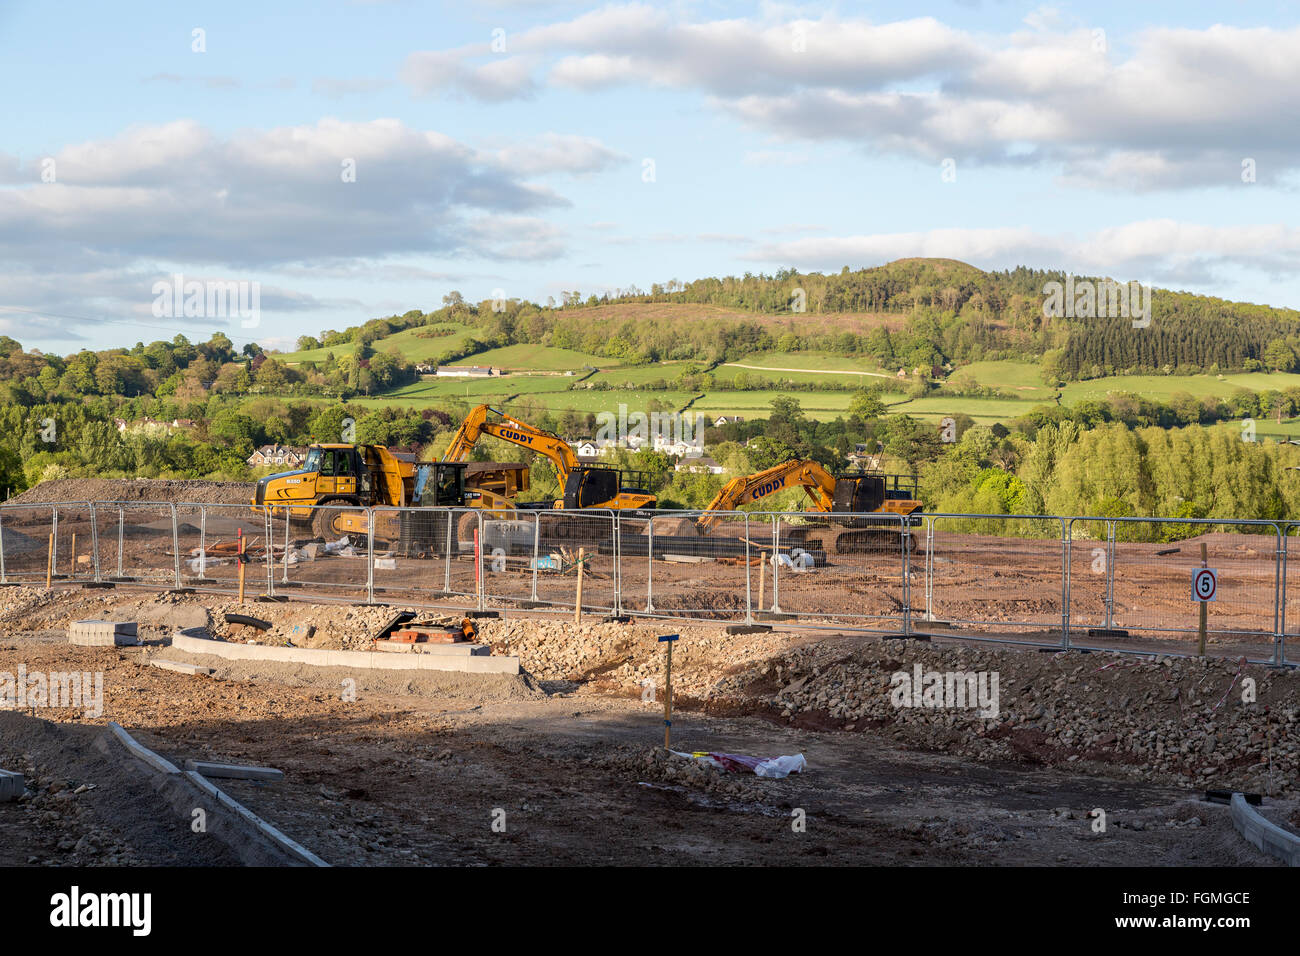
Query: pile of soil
x,y
137,489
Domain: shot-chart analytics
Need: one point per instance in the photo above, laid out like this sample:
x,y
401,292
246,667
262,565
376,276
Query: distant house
x,y
728,420
702,464
682,449
424,368
864,462
152,424
466,371
586,448
276,455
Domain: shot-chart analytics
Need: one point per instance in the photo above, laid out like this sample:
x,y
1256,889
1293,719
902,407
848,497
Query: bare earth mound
x,y
138,489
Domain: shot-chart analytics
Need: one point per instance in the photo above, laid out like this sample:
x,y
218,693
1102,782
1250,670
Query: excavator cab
x,y
590,487
858,493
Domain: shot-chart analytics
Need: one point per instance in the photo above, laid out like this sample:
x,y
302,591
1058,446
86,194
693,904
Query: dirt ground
x,y
564,764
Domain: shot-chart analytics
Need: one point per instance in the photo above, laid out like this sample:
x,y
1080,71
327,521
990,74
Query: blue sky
x,y
505,146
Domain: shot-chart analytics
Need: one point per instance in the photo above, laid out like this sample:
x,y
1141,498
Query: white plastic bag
x,y
779,767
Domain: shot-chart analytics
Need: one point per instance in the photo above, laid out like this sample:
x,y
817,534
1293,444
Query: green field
x,y
541,358
410,343
1163,386
815,367
534,379
1020,377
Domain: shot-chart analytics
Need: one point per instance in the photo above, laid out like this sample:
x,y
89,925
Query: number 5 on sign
x,y
1205,582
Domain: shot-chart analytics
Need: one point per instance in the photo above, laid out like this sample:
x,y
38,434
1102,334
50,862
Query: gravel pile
x,y
1168,718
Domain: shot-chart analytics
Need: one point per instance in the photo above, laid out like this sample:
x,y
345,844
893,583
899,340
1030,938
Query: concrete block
x,y
196,670
12,785
232,771
103,633
462,649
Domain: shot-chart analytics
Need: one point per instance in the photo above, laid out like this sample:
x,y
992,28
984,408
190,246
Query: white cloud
x,y
1161,250
1165,114
176,197
556,152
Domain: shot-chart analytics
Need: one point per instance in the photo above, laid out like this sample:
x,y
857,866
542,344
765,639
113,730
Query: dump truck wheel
x,y
465,526
322,518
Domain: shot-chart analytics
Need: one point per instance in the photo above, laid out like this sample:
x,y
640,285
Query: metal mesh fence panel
x,y
1003,574
209,538
698,564
25,542
846,569
149,548
1151,566
326,553
1289,595
74,549
509,548
566,539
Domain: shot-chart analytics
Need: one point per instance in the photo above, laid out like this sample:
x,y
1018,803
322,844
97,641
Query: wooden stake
x,y
240,535
478,567
1205,607
74,554
762,576
49,564
668,695
577,601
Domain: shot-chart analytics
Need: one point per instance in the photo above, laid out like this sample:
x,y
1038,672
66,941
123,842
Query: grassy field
x,y
534,378
412,345
1163,386
540,358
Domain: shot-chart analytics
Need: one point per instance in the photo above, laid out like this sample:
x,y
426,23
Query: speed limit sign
x,y
1205,581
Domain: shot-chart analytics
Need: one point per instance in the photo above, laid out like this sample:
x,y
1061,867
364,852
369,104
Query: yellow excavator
x,y
583,485
856,496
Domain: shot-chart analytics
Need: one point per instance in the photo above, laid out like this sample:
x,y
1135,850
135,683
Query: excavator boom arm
x,y
808,474
514,431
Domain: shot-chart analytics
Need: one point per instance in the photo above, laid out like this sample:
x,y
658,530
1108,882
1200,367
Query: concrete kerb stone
x,y
296,850
233,771
160,764
468,663
249,837
1264,836
181,667
12,785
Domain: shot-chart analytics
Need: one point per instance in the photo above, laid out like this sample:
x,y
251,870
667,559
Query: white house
x,y
701,464
586,448
682,449
728,420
